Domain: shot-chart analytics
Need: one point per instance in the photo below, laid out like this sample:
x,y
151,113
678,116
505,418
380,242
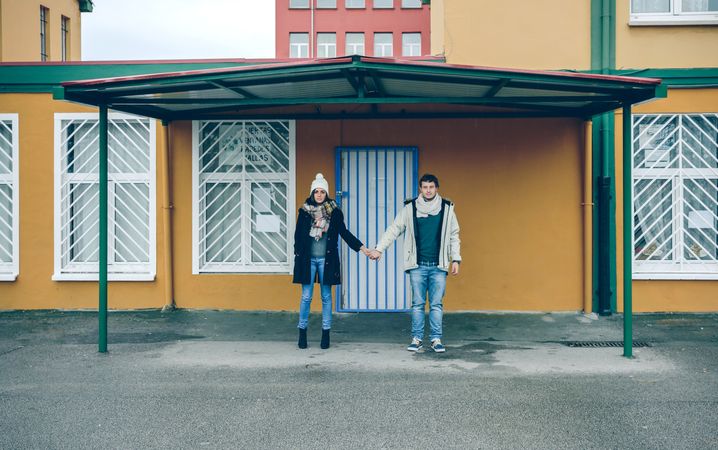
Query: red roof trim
x,y
275,63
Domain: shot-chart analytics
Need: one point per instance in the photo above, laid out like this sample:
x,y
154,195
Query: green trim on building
x,y
19,78
698,77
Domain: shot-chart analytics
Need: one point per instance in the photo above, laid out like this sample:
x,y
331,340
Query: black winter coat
x,y
303,243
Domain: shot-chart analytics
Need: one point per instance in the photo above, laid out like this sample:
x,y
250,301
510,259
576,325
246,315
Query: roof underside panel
x,y
359,87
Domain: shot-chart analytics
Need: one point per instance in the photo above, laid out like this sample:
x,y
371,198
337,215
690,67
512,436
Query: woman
x,y
316,256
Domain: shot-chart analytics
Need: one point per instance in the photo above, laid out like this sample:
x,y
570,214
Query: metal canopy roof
x,y
362,87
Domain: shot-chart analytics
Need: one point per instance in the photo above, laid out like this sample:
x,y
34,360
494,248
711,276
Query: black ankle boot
x,y
302,338
325,339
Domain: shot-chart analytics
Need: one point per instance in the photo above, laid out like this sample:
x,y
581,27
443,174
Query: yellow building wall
x,y
664,295
518,197
663,46
516,184
536,34
34,288
437,27
20,29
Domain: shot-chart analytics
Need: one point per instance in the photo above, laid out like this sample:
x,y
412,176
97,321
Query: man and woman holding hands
x,y
431,250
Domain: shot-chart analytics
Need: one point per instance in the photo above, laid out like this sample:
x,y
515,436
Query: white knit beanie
x,y
319,182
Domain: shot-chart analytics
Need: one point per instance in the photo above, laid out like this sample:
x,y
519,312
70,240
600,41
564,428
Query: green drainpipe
x,y
603,59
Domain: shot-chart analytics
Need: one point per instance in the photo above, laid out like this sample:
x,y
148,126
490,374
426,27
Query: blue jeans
x,y
316,265
431,280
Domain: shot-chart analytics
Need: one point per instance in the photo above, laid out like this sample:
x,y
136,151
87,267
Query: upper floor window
x,y
299,4
380,4
349,4
411,3
383,44
299,45
326,45
326,4
65,37
674,12
411,44
44,16
354,44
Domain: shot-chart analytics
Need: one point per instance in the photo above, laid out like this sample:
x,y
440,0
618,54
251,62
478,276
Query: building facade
x,y
538,199
329,28
675,141
47,30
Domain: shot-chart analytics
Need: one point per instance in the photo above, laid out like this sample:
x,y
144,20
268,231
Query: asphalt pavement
x,y
228,379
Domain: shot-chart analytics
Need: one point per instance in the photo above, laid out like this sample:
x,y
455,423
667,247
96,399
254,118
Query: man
x,y
431,250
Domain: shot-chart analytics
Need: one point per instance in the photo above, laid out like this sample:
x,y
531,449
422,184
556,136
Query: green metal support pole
x,y
627,234
102,308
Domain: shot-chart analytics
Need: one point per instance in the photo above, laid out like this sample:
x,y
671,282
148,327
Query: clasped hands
x,y
375,254
372,253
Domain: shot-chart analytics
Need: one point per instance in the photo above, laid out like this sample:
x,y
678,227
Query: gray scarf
x,y
428,208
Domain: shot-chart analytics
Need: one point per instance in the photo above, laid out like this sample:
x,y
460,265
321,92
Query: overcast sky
x,y
178,29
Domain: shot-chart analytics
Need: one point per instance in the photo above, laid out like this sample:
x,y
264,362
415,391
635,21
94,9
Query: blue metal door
x,y
372,184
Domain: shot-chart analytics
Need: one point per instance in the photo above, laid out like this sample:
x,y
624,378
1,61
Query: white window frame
x,y
299,47
90,271
353,48
390,5
326,49
354,4
383,47
411,4
414,48
651,270
676,16
285,268
9,272
326,4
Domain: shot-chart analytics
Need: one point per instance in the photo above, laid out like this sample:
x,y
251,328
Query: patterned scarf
x,y
320,214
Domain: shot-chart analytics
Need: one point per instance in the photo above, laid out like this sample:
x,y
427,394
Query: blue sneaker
x,y
437,346
415,345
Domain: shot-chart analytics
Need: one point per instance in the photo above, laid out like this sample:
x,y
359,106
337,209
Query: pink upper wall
x,y
341,21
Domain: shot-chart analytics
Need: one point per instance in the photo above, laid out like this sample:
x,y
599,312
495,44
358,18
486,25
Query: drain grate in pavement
x,y
603,344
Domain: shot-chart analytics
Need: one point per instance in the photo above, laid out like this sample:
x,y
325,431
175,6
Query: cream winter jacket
x,y
449,250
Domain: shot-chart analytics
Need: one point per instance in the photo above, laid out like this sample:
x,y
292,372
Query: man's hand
x,y
454,268
365,251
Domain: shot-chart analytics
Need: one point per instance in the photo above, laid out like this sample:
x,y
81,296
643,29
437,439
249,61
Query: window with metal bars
x,y
9,203
131,197
675,196
243,196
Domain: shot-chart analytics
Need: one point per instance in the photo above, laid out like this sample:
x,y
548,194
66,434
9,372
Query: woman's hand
x,y
365,250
